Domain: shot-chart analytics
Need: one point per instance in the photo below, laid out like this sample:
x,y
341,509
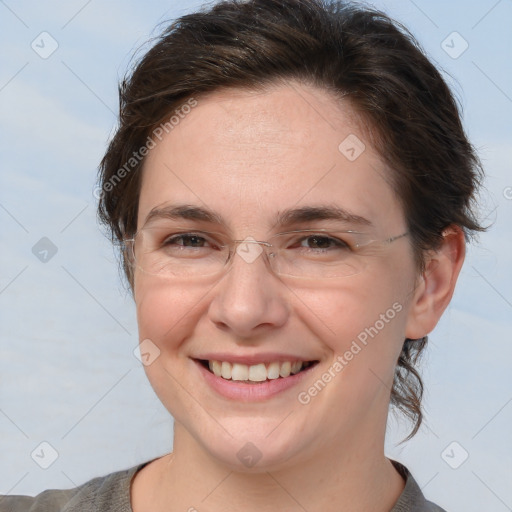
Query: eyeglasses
x,y
304,253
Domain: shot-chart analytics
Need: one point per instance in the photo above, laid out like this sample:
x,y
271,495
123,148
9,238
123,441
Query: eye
x,y
185,240
182,241
323,242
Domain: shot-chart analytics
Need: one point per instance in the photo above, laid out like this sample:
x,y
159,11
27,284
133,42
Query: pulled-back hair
x,y
353,52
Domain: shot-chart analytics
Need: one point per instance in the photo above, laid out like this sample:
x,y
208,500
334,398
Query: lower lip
x,y
257,392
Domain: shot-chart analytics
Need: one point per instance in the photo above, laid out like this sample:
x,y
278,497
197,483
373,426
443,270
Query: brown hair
x,y
411,115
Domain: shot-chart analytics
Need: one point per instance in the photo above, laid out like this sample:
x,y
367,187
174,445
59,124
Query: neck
x,y
353,475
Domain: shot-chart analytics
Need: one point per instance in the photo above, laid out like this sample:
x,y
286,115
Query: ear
x,y
434,288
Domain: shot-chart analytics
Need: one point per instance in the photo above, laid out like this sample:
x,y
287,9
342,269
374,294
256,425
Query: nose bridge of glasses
x,y
249,249
250,240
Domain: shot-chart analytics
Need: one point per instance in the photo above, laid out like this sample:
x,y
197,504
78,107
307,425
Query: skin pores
x,y
247,156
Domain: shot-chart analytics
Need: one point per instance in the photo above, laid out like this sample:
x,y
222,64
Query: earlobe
x,y
436,284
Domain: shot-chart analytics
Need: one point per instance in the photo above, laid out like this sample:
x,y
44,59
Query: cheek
x,y
368,335
342,312
375,340
167,316
165,313
363,321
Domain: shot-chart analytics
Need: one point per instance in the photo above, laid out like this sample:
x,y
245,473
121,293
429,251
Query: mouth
x,y
255,373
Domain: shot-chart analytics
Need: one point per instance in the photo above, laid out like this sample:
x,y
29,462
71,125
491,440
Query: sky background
x,y
68,374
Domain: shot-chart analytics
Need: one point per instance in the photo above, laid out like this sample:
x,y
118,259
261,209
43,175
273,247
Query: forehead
x,y
248,155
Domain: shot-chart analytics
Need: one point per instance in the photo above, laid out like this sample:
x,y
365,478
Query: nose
x,y
249,299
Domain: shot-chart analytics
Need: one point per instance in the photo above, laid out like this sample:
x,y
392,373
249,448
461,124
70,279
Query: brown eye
x,y
185,240
323,242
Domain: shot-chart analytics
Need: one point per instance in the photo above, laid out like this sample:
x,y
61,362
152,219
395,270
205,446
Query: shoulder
x,y
109,493
412,499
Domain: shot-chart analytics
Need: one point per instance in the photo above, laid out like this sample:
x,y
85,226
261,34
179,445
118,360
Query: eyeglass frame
x,y
233,243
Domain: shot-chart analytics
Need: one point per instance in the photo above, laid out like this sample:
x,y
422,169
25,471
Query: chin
x,y
255,446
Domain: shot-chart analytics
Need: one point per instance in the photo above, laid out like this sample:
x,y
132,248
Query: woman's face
x,y
249,157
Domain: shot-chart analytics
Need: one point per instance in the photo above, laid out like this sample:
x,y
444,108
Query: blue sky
x,y
67,372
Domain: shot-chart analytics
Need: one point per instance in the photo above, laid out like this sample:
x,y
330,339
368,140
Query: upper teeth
x,y
256,372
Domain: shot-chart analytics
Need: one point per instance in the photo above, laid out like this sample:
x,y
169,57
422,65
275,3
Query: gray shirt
x,y
111,493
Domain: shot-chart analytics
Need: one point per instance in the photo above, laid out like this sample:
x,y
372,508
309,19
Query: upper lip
x,y
251,359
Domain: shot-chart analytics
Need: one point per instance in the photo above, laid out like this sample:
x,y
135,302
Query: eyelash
x,y
169,240
336,243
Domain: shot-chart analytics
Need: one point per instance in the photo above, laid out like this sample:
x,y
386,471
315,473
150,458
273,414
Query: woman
x,y
291,187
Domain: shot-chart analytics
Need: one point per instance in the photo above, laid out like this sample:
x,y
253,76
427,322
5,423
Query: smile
x,y
257,372
254,377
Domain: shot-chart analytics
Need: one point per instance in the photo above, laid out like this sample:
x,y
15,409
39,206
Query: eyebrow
x,y
313,213
284,219
186,212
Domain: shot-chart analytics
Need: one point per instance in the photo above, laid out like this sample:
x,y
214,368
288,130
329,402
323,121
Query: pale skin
x,y
247,156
